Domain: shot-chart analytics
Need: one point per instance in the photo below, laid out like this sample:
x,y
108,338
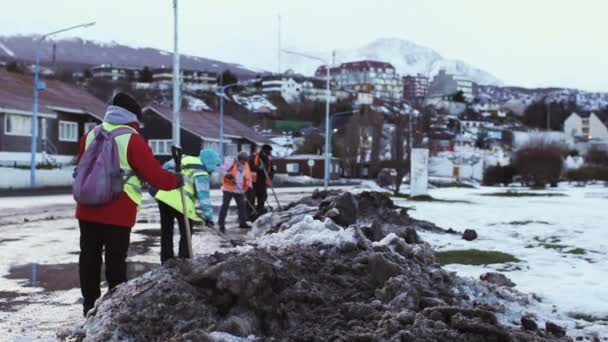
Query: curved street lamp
x,y
37,87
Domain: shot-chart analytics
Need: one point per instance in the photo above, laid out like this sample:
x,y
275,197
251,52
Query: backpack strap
x,y
122,131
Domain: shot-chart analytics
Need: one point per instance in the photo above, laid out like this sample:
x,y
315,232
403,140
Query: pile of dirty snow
x,y
342,276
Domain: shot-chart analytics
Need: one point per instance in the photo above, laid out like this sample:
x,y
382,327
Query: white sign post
x,y
310,163
419,172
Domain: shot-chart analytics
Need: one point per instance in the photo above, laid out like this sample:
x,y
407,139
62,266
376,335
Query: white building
x,y
293,88
585,126
445,84
115,73
379,78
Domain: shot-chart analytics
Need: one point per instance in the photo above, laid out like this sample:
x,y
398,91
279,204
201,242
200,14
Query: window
x,y
160,147
89,126
246,148
292,168
230,149
68,131
17,125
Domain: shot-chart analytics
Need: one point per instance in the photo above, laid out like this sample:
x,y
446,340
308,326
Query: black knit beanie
x,y
127,102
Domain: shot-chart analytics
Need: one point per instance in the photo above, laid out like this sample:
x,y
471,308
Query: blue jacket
x,y
202,187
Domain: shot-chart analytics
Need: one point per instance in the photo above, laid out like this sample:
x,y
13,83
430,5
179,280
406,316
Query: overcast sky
x,y
522,42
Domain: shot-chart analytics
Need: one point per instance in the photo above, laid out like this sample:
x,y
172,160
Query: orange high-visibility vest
x,y
230,185
257,162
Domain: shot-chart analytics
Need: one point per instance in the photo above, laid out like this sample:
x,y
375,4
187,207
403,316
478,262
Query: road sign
x,y
41,85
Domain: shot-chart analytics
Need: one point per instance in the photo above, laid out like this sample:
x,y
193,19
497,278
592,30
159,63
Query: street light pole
x,y
327,132
176,81
34,133
328,95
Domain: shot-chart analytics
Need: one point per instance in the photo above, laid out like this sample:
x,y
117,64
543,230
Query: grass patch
x,y
588,317
524,194
473,257
523,223
577,251
452,185
553,246
550,239
428,198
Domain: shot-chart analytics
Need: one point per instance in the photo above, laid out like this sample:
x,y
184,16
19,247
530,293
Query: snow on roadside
x,y
308,232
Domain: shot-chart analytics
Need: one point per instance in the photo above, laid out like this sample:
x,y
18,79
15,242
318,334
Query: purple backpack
x,y
98,176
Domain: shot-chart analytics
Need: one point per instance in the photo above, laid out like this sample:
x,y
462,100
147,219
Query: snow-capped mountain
x,y
88,52
407,57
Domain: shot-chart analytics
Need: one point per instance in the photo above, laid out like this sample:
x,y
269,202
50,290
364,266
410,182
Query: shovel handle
x,y
176,152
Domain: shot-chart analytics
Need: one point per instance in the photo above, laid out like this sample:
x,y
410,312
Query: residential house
x,y
199,130
586,126
199,79
381,76
415,87
293,88
111,72
311,165
65,114
445,84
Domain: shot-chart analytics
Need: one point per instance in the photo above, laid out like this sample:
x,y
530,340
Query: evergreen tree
x,y
227,77
146,75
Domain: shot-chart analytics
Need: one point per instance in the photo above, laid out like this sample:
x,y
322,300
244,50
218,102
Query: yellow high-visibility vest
x,y
191,168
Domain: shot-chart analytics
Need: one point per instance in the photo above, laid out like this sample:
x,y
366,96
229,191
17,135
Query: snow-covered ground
x,y
562,243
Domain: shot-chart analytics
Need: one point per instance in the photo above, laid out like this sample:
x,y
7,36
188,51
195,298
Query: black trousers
x,y
250,207
240,204
261,195
94,238
167,220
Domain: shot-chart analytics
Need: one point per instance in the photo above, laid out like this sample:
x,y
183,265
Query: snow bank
x,y
20,178
307,232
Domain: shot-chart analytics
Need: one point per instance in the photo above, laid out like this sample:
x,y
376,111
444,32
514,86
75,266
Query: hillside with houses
x,y
377,113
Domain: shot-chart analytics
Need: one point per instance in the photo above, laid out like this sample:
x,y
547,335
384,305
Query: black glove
x,y
180,180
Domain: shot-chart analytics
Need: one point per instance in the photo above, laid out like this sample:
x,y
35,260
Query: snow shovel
x,y
176,152
272,187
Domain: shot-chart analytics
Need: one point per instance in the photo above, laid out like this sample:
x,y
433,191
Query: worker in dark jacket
x,y
262,173
107,227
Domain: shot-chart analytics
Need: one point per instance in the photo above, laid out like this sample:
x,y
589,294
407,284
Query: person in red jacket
x,y
108,226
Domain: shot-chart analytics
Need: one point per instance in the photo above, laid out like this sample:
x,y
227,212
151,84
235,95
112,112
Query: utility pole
x,y
279,44
38,86
549,116
176,81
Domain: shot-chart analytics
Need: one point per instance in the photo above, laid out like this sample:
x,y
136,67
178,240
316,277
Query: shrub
x,y
540,161
587,174
597,156
498,175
